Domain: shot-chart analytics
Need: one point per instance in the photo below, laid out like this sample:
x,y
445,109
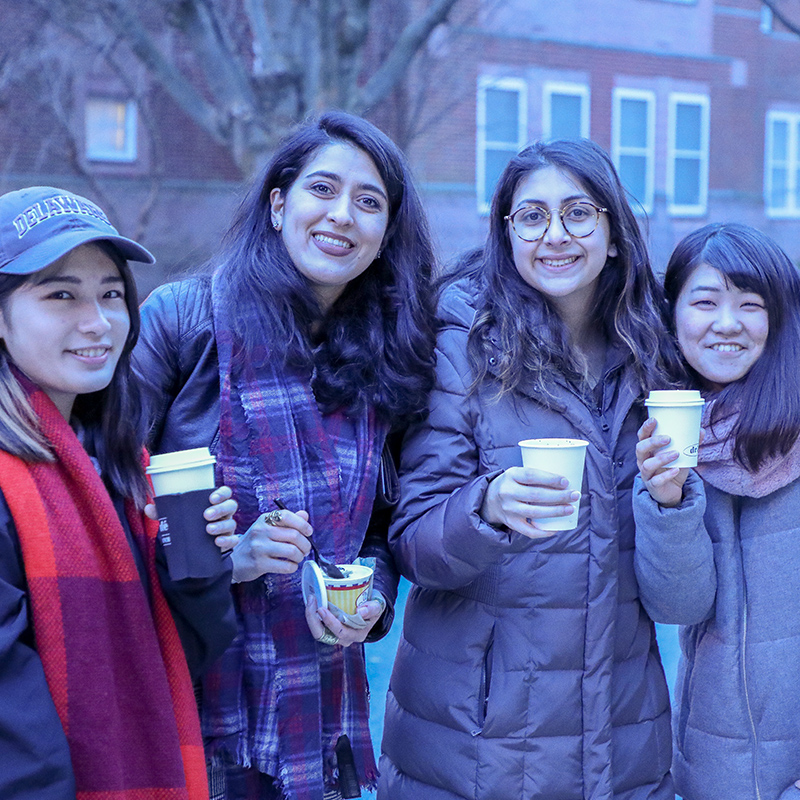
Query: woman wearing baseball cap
x,y
96,693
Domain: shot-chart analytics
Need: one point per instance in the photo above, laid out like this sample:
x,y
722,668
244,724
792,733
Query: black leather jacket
x,y
178,367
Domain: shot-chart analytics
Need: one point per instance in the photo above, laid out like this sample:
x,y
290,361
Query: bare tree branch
x,y
246,70
393,68
772,5
119,17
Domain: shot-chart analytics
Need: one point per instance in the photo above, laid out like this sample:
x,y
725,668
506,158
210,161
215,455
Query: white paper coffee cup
x,y
182,471
678,413
561,457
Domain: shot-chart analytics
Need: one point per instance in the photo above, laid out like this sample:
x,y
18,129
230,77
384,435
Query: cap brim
x,y
42,255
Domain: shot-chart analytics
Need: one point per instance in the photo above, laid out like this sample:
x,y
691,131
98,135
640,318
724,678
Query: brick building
x,y
698,101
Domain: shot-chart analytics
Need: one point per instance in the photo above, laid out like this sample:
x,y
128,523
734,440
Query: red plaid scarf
x,y
113,661
277,700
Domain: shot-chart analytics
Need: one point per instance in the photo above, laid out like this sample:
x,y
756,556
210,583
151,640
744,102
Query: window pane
x,y
496,161
687,127
633,173
780,140
502,116
778,191
687,182
796,192
110,130
633,123
565,116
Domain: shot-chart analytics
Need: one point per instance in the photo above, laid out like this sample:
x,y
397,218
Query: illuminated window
x,y
110,130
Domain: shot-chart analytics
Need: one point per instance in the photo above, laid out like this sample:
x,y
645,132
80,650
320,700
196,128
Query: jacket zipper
x,y
744,659
486,681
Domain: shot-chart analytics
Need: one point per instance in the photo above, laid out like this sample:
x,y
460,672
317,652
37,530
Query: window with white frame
x,y
502,130
765,22
633,142
110,130
565,111
687,155
782,167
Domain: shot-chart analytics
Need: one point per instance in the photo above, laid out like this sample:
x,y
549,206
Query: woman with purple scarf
x,y
312,339
718,549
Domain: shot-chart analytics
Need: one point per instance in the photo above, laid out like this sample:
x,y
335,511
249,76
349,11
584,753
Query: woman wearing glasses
x,y
528,667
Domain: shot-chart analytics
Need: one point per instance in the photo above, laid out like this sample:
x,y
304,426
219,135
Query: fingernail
x,y
564,483
215,498
575,496
210,514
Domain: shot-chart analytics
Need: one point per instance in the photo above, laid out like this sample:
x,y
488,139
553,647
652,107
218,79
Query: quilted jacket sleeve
x,y
674,558
437,537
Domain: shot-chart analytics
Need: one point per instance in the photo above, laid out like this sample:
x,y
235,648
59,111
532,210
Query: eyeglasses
x,y
530,223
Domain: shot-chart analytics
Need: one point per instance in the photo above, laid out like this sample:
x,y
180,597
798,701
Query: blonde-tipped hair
x,y
19,428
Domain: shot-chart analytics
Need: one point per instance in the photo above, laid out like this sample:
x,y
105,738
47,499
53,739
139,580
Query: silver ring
x,y
273,517
328,637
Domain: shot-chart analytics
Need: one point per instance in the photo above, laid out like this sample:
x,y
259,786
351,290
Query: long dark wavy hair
x,y
628,305
109,417
767,398
375,344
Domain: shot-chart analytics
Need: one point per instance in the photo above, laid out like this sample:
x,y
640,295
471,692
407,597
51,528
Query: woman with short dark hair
x,y
717,547
310,342
528,667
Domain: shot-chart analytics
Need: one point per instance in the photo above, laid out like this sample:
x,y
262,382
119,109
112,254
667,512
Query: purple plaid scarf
x,y
277,700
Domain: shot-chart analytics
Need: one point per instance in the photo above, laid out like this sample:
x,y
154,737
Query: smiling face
x,y
66,327
333,218
563,268
721,329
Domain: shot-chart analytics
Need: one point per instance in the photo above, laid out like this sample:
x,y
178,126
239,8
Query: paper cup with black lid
x,y
182,482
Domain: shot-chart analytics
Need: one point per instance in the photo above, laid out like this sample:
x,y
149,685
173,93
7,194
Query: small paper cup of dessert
x,y
344,593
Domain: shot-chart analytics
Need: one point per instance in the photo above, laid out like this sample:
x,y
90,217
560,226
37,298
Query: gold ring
x,y
273,517
328,637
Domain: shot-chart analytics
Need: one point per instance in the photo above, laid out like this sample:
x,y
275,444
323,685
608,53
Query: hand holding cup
x,y
321,622
656,460
521,496
219,515
183,483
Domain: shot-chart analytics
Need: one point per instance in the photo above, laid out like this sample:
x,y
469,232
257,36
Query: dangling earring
x,y
378,254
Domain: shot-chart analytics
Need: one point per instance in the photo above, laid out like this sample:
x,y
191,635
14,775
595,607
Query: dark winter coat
x,y
527,669
177,364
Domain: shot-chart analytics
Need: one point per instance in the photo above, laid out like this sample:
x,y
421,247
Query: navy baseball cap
x,y
40,224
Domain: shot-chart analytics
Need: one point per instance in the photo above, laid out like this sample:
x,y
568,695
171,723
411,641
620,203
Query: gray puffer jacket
x,y
527,669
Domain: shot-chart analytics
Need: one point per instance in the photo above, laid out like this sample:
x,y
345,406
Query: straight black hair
x,y
767,398
109,418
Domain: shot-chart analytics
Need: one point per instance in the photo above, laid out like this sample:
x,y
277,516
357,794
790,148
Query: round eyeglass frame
x,y
561,212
